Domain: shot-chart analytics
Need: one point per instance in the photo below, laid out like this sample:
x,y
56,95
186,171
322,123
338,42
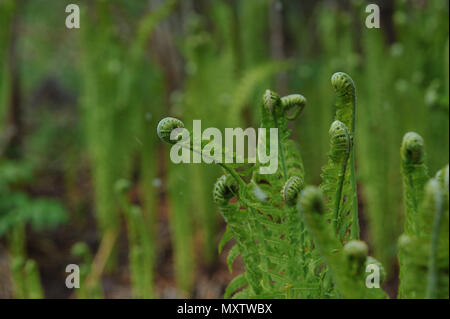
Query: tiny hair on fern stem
x,y
291,189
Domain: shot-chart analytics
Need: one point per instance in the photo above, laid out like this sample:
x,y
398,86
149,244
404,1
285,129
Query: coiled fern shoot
x,y
303,242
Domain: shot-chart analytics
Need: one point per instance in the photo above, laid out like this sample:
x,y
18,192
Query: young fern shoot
x,y
346,263
423,247
346,113
415,177
334,176
302,242
262,219
338,177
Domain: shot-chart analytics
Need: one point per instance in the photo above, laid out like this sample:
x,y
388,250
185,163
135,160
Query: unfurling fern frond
x,y
346,113
346,263
224,189
292,189
165,128
336,178
424,254
302,242
271,101
415,176
423,248
269,234
423,204
438,262
294,102
356,253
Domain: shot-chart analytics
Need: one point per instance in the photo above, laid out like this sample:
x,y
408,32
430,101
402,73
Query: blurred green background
x,y
84,179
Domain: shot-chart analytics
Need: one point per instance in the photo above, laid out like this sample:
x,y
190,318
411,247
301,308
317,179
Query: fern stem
x,y
355,225
415,176
432,266
280,148
336,216
346,113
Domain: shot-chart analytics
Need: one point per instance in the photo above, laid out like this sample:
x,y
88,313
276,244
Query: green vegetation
x,y
84,178
314,251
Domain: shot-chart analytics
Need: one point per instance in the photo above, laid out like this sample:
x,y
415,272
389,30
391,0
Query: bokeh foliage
x,y
90,100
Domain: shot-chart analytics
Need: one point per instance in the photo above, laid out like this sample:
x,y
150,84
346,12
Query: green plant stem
x,y
355,225
280,147
432,286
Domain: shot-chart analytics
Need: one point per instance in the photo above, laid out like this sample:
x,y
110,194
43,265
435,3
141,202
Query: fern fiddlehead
x,y
291,189
356,253
415,176
294,102
424,254
224,189
263,219
423,247
282,258
165,128
346,113
335,173
346,263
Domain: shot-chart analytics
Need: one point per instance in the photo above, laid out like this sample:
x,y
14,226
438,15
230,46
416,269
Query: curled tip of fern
x,y
291,189
342,83
271,100
224,189
311,201
356,250
293,101
166,126
339,136
412,148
